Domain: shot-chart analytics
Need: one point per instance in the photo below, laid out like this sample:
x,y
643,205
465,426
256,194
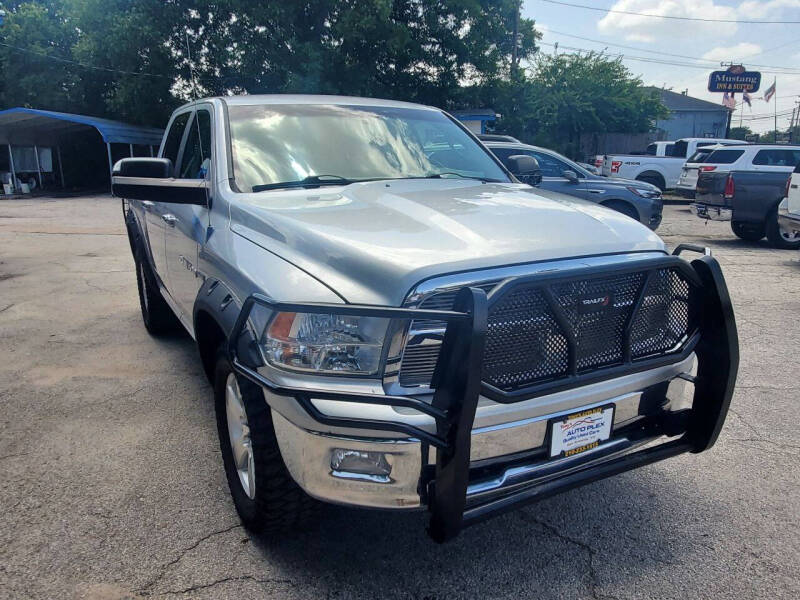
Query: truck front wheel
x,y
264,493
746,231
779,237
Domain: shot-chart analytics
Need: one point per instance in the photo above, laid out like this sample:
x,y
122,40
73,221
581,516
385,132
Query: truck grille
x,y
608,320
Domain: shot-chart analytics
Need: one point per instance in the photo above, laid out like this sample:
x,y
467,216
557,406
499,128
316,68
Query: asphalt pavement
x,y
111,482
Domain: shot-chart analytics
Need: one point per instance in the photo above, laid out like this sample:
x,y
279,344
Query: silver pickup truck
x,y
390,319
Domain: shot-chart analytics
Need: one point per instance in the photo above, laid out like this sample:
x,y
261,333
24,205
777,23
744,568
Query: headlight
x,y
644,192
324,343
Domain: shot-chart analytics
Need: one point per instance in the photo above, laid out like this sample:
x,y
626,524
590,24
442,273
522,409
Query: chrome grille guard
x,y
457,379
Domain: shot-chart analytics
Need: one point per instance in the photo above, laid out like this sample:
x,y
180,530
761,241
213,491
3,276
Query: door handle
x,y
596,191
169,219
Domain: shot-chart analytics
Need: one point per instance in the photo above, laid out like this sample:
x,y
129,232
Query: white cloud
x,y
758,9
738,52
648,29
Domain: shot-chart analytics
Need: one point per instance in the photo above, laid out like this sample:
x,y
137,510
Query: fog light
x,y
363,463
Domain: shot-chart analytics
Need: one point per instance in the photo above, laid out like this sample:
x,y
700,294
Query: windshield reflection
x,y
289,143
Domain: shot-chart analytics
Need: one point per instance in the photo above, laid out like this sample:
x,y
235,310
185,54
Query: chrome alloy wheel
x,y
239,435
788,235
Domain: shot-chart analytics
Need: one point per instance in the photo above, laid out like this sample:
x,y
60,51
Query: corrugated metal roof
x,y
675,101
32,126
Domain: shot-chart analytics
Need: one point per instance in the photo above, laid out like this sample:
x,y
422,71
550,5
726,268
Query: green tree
x,y
739,133
135,60
126,41
563,96
35,59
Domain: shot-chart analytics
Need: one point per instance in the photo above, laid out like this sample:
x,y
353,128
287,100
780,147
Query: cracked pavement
x,y
112,485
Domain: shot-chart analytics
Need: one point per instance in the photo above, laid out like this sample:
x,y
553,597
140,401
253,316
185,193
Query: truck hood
x,y
372,242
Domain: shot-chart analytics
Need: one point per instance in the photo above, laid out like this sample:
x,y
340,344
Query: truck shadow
x,y
600,536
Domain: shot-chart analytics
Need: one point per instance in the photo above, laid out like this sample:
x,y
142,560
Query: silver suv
x,y
390,319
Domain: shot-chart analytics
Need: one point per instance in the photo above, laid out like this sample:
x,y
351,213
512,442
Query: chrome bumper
x,y
308,454
711,212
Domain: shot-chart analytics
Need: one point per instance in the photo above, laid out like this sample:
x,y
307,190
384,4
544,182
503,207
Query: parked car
x,y
789,208
390,320
662,171
687,183
496,137
636,199
749,200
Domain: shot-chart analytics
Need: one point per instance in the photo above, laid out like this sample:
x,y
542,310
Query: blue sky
x,y
700,45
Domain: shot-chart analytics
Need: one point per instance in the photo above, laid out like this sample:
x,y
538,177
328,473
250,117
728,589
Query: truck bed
x,y
756,193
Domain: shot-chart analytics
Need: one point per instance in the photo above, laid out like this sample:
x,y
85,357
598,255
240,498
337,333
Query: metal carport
x,y
32,127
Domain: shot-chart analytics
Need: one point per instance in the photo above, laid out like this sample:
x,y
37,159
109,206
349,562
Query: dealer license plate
x,y
580,431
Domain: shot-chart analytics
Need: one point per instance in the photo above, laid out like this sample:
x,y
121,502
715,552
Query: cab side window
x,y
196,158
551,167
174,137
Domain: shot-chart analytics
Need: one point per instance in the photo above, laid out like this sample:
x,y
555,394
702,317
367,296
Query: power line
x,y
654,51
768,50
80,64
658,61
673,17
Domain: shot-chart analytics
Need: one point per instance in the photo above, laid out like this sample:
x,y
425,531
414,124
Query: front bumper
x,y
503,457
711,212
788,221
462,471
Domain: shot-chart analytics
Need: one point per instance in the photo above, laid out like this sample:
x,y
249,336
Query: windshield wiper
x,y
310,181
461,175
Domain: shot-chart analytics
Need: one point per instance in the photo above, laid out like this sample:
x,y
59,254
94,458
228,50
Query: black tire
x,y
747,231
279,505
624,208
157,315
655,179
776,237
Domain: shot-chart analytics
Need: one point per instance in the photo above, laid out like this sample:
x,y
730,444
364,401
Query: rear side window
x,y
651,150
680,149
174,137
724,157
699,156
669,149
777,157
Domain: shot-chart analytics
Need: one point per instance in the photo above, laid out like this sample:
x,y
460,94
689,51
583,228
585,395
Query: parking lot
x,y
112,483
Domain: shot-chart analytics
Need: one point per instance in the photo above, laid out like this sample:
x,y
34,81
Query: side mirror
x,y
151,179
570,176
525,168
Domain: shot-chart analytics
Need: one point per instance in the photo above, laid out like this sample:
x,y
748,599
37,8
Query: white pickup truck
x,y
660,170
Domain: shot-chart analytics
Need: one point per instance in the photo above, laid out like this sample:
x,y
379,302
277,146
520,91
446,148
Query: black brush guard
x,y
457,382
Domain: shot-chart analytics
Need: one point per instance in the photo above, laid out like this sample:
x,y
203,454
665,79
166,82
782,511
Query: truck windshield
x,y
327,144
